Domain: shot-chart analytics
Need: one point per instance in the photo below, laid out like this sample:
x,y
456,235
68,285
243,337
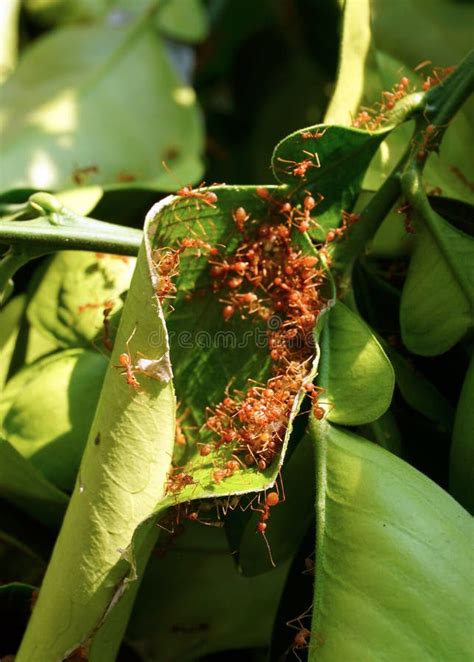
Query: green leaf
x,y
360,376
38,345
53,12
22,485
198,335
81,200
120,483
461,478
51,406
9,14
212,619
393,569
355,46
185,20
53,124
343,154
10,318
437,303
68,305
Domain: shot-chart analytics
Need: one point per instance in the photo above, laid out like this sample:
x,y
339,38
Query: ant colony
x,y
267,278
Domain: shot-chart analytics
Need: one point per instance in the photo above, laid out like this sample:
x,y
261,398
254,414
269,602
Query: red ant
x,y
264,194
190,242
231,466
125,361
240,216
361,119
302,636
309,565
180,437
208,197
348,219
315,135
79,654
429,135
314,392
79,174
398,92
407,209
438,74
272,499
129,368
300,168
193,515
123,176
309,204
166,266
177,482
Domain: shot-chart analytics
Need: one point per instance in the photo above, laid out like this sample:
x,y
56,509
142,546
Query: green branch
x,y
46,223
43,225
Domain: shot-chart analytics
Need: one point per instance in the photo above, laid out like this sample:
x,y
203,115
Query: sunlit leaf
x,y
437,306
120,483
53,124
68,306
361,378
354,48
393,568
10,318
50,409
38,345
9,13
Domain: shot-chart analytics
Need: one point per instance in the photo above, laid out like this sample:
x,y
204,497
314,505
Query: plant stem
x,y
80,234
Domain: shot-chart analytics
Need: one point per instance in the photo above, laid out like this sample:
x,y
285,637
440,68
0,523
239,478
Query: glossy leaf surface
x,y
386,536
55,134
361,378
47,410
